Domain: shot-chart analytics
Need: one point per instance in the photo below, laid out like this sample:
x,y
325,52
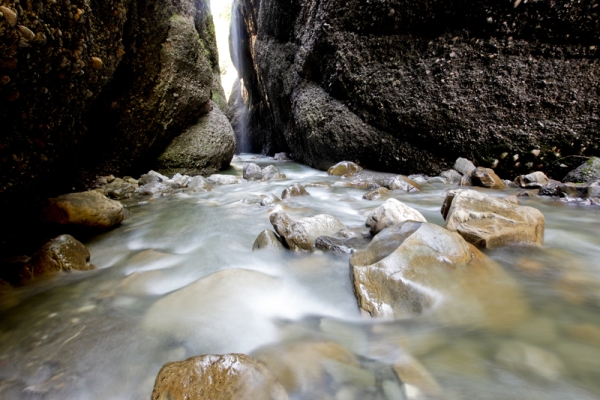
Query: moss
x,y
219,99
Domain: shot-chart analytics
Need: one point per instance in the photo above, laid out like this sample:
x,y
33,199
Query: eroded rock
x,y
390,213
89,209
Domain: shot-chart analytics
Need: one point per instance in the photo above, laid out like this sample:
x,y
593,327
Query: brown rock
x,y
586,333
26,33
344,168
390,213
267,239
217,377
486,177
294,190
412,372
376,193
291,231
86,209
96,62
534,180
9,15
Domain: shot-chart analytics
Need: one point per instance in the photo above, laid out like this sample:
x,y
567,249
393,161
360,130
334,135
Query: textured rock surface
x,y
489,222
588,171
204,148
218,377
391,213
410,86
86,209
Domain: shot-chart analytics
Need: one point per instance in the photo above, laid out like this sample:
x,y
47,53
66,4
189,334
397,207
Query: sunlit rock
x,y
486,177
291,231
344,168
489,222
390,213
217,377
90,209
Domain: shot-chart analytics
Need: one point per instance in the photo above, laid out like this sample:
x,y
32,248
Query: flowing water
x,y
179,278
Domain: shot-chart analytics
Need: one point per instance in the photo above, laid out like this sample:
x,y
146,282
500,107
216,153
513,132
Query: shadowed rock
x,y
267,239
89,209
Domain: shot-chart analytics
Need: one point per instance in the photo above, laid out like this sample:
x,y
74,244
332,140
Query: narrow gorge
x,y
259,199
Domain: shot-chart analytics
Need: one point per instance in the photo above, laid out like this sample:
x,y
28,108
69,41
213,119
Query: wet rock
x,y
340,245
437,179
119,189
489,222
155,188
199,184
390,213
291,231
294,190
89,209
321,225
179,181
401,182
486,177
411,268
344,168
534,180
376,193
464,166
252,172
63,253
218,377
519,357
550,189
411,372
204,148
218,179
528,193
271,172
466,180
267,239
152,176
270,200
281,157
452,176
588,171
419,178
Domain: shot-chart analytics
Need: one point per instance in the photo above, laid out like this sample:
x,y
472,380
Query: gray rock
x,y
321,225
219,179
90,209
418,178
119,189
375,194
281,157
291,231
252,172
270,200
391,213
436,179
152,176
199,184
452,176
179,181
534,180
464,166
267,239
551,188
341,245
588,171
486,177
155,188
295,190
401,182
271,172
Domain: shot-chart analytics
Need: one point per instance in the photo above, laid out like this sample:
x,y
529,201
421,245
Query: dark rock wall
x,y
409,86
95,86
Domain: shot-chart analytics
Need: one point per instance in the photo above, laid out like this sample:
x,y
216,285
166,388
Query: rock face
x,y
489,222
410,86
390,213
87,209
218,377
204,148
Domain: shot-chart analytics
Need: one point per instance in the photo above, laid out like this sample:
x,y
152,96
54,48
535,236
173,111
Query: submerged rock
x,y
267,239
486,177
390,213
294,190
217,377
489,222
344,168
90,209
588,171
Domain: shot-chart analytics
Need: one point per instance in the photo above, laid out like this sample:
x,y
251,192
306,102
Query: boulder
x,y
416,267
271,172
401,182
267,239
321,225
489,222
550,189
486,177
452,176
344,168
204,148
535,180
341,245
270,200
390,213
295,190
155,188
198,184
464,166
152,176
219,179
217,377
588,171
281,157
376,193
90,209
119,189
291,231
252,172
63,253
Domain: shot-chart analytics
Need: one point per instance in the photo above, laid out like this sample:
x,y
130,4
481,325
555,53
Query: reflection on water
x,y
179,279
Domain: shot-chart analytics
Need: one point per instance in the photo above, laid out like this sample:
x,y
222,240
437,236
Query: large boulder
x,y
588,171
390,213
90,209
490,222
204,148
217,377
416,267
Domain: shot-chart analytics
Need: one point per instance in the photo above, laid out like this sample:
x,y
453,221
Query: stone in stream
x,y
90,209
270,200
588,171
281,157
198,184
416,267
534,180
220,179
344,168
345,241
292,232
376,193
267,239
152,176
217,377
119,189
464,166
452,176
63,253
412,372
486,177
155,188
321,225
295,190
401,182
520,357
271,172
390,213
489,222
252,172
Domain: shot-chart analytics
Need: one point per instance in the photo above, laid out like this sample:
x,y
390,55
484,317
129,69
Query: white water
x,y
179,279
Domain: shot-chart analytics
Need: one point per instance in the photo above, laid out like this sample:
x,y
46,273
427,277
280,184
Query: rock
x,y
419,178
9,15
437,179
152,176
588,171
452,176
534,180
486,177
540,330
85,209
291,231
267,239
204,148
375,194
344,168
528,193
411,372
489,222
270,200
179,181
466,180
198,184
281,157
341,245
321,225
413,267
271,172
295,190
252,172
218,377
119,189
464,166
519,357
154,189
550,189
217,179
63,253
401,182
390,213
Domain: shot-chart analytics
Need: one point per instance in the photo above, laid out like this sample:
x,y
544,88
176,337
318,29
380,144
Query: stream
x,y
179,279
